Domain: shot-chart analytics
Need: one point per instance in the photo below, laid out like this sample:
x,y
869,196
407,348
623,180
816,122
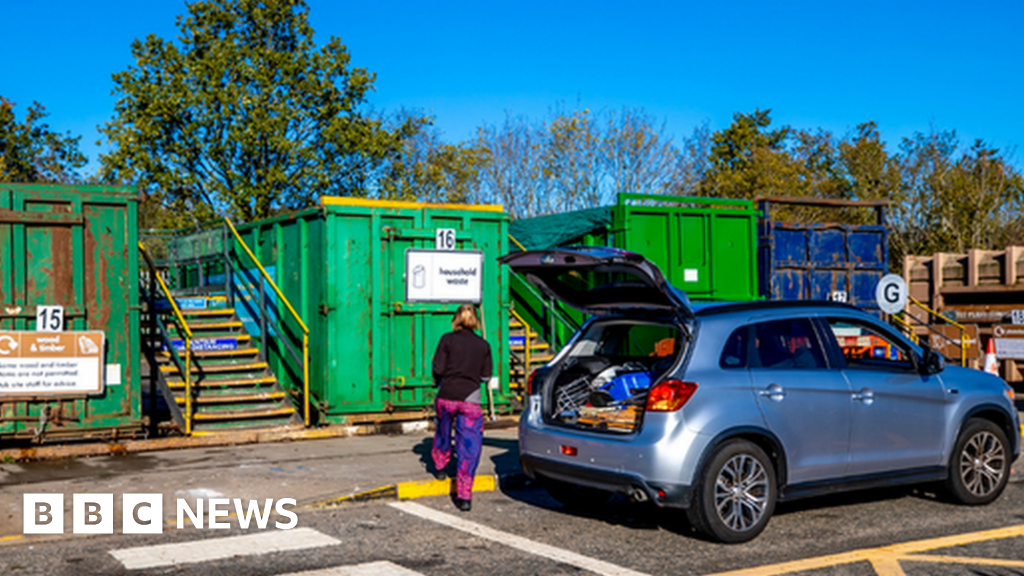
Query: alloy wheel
x,y
741,492
982,463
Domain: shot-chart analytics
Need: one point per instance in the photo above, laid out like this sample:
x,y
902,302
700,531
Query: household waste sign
x,y
443,276
40,363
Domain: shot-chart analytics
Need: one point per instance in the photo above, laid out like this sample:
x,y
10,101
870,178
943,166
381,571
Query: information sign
x,y
891,293
1009,341
950,345
443,276
45,363
444,239
50,318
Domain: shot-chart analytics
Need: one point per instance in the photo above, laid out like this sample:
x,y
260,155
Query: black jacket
x,y
462,361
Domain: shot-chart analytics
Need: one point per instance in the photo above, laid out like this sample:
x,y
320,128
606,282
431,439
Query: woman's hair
x,y
465,317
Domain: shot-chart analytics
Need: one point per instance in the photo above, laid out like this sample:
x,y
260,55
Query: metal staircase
x,y
228,350
231,383
528,352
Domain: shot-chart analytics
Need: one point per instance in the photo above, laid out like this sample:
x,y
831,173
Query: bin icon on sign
x,y
419,277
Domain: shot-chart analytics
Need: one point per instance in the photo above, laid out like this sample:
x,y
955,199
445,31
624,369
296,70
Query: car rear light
x,y
670,395
529,384
569,450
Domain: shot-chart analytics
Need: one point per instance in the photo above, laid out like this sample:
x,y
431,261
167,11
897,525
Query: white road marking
x,y
219,548
382,568
518,542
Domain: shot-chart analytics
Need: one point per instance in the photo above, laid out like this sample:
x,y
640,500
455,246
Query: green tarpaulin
x,y
543,232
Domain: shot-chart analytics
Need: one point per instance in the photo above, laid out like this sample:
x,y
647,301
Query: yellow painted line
x,y
13,537
885,559
887,567
423,488
370,203
963,560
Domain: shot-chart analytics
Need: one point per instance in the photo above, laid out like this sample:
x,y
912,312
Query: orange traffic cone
x,y
991,366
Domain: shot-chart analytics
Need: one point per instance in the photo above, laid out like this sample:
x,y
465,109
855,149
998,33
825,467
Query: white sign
x,y
1009,341
838,296
444,239
442,276
1017,316
891,293
50,318
41,363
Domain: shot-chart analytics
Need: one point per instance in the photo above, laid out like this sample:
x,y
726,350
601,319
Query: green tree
x,y
31,153
246,115
428,169
747,160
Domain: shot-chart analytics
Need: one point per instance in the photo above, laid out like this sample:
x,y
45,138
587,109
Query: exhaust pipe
x,y
637,494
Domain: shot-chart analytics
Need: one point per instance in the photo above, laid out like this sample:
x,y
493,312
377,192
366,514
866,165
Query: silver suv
x,y
725,409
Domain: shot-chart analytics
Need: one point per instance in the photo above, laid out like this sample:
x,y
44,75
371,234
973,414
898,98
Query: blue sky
x,y
909,66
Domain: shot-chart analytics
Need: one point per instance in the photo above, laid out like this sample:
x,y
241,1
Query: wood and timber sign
x,y
41,363
950,345
1009,341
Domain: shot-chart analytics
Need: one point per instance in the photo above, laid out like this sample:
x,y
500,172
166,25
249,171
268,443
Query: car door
x,y
897,414
805,402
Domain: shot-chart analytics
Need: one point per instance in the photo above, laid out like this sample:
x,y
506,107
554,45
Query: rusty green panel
x,y
343,267
75,246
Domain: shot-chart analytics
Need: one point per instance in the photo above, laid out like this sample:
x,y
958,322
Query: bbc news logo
x,y
144,513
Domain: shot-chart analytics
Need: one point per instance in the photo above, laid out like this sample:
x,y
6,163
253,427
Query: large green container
x,y
705,246
75,247
342,266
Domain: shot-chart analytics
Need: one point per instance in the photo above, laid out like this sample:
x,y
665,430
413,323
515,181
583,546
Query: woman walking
x,y
462,361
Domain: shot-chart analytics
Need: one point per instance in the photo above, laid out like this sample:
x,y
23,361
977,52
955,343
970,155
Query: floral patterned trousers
x,y
468,418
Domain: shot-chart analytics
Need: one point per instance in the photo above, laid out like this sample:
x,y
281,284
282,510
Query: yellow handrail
x,y
963,329
526,342
516,242
305,330
907,325
188,337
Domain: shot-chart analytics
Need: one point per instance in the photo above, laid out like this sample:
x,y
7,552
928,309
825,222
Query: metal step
x,y
200,326
224,382
233,398
217,353
206,312
213,368
243,414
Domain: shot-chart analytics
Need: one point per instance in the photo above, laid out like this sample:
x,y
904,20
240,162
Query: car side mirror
x,y
932,362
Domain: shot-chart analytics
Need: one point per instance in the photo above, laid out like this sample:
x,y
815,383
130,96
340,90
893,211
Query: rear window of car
x,y
781,344
734,355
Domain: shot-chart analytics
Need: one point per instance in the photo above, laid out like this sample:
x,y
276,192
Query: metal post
x,y
154,369
305,375
264,337
188,386
228,268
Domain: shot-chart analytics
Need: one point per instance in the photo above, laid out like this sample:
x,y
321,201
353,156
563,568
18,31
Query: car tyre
x,y
735,494
574,495
979,466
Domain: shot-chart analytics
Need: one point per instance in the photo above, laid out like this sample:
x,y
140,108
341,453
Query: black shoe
x,y
463,505
440,475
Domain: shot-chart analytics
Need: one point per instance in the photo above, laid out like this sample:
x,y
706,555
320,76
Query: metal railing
x,y
555,314
304,362
904,323
185,367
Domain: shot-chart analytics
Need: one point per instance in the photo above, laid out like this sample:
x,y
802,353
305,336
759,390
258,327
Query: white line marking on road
x,y
219,548
382,568
518,542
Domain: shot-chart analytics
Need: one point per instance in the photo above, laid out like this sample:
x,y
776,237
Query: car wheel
x,y
735,494
979,467
574,495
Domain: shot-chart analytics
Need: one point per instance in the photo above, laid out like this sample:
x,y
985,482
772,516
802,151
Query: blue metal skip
x,y
822,261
